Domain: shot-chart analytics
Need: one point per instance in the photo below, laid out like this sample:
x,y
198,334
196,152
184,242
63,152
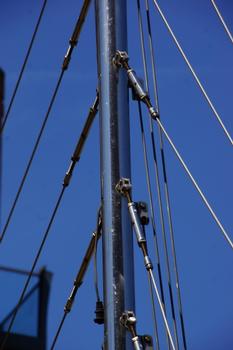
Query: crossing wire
x,y
157,178
194,73
72,43
165,178
152,211
74,159
23,66
222,20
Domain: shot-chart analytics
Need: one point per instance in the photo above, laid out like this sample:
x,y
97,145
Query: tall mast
x,y
118,272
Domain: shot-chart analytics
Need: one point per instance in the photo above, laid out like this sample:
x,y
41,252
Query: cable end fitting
x,y
66,180
148,263
124,186
68,305
153,113
120,59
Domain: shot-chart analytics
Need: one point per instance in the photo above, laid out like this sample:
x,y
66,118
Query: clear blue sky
x,y
204,258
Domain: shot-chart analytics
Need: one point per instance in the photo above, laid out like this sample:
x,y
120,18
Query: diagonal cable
x,y
80,275
165,180
2,346
75,158
195,184
222,21
30,161
121,60
73,43
157,181
194,74
151,276
23,66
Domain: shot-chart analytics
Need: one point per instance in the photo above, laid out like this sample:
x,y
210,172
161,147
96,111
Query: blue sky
x,y
204,258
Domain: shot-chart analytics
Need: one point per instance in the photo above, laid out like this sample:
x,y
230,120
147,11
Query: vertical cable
x,y
167,197
158,184
153,306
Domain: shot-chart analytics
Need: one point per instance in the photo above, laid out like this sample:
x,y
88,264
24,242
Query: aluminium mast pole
x,y
118,272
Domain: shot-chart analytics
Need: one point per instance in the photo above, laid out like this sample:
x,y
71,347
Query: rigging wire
x,y
153,307
2,346
80,275
222,20
99,217
165,179
195,184
154,315
72,43
194,73
75,158
30,160
157,177
58,330
151,276
23,66
151,208
121,60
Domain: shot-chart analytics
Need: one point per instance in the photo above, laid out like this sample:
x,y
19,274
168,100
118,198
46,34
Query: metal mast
x,y
111,24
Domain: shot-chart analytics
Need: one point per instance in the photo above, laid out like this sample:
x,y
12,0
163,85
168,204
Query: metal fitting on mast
x,y
124,188
128,320
120,60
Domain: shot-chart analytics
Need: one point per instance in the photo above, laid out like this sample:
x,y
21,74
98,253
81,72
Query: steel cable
x,y
23,66
74,159
73,42
153,308
58,331
151,276
157,178
165,179
32,270
194,73
158,263
222,20
30,159
80,275
195,184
